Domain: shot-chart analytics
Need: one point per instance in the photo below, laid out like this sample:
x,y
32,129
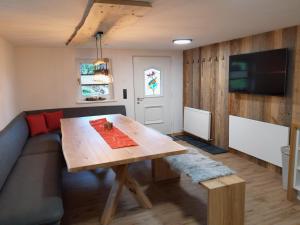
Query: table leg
x,y
138,193
114,195
122,178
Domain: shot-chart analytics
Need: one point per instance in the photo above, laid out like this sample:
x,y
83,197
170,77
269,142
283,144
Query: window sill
x,y
95,102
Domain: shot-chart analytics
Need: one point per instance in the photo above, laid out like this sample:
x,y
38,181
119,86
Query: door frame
x,y
164,80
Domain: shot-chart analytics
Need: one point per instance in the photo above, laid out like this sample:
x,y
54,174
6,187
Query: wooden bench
x,y
226,195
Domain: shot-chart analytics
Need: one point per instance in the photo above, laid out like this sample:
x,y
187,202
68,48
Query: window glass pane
x,y
91,79
102,68
94,90
88,77
91,85
152,82
87,69
94,80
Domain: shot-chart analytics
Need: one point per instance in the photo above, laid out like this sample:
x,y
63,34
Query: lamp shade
x,y
99,62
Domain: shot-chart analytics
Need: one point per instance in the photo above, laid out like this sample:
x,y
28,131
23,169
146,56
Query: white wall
x,y
47,78
8,104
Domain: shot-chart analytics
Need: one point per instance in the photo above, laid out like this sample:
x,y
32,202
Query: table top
x,y
85,149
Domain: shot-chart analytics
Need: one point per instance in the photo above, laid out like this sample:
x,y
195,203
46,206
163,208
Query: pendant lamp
x,y
102,73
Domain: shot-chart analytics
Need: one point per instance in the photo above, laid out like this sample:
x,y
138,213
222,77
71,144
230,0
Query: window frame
x,y
81,98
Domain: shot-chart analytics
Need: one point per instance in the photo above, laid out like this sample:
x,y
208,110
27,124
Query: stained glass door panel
x,y
152,82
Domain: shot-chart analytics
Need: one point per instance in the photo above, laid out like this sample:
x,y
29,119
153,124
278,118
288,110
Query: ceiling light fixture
x,y
98,39
182,41
102,73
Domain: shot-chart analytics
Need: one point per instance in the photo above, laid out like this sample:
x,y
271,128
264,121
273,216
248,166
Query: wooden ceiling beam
x,y
125,2
80,24
102,15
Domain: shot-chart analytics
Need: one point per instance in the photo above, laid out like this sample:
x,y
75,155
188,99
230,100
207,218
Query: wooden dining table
x,y
85,149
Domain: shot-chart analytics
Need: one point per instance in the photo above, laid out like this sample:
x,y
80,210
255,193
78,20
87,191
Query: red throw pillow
x,y
37,124
53,119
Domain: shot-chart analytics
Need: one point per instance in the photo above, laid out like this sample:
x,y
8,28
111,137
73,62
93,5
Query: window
x,y
90,86
152,82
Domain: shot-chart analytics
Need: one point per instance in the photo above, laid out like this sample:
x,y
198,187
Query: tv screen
x,y
262,73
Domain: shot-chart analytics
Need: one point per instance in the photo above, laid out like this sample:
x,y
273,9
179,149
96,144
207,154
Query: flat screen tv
x,y
263,73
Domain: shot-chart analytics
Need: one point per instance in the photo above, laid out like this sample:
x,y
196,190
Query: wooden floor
x,y
176,203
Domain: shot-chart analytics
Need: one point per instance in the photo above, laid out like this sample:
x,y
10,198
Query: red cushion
x,y
53,119
37,124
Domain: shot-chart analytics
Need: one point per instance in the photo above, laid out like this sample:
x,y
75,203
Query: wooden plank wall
x,y
206,85
295,118
191,77
221,122
210,91
271,109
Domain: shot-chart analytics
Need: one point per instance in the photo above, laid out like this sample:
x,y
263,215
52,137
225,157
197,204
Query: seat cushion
x,y
12,141
43,143
32,192
58,132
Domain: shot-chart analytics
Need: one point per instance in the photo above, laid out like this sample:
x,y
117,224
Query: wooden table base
x,y
122,178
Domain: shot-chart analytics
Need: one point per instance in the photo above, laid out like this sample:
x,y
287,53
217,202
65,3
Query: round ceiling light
x,y
182,41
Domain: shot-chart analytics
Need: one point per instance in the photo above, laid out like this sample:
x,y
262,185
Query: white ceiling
x,y
39,22
51,22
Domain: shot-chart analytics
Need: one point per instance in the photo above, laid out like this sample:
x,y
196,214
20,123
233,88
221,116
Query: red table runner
x,y
114,137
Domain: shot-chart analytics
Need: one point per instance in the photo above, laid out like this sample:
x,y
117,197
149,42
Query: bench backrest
x,y
12,140
86,111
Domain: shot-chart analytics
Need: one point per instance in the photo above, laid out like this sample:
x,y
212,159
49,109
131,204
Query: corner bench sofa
x,y
30,169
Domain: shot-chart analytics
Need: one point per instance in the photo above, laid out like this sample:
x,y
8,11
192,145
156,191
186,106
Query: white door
x,y
152,91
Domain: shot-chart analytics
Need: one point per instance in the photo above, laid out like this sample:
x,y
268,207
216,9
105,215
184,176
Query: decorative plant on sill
x,y
95,99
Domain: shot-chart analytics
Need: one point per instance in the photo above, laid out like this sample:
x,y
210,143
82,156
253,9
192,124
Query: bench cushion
x,y
197,166
12,141
32,192
43,143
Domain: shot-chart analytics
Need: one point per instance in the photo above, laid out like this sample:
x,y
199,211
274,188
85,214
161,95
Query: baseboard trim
x,y
178,133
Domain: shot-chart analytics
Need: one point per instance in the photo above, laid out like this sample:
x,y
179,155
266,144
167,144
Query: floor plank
x,y
178,203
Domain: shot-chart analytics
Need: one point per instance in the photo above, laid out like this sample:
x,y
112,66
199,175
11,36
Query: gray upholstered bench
x,y
30,170
30,175
226,191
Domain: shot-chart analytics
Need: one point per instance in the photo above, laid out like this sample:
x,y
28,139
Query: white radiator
x,y
259,139
197,122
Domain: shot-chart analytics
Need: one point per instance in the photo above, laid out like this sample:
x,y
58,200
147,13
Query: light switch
x,y
124,93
